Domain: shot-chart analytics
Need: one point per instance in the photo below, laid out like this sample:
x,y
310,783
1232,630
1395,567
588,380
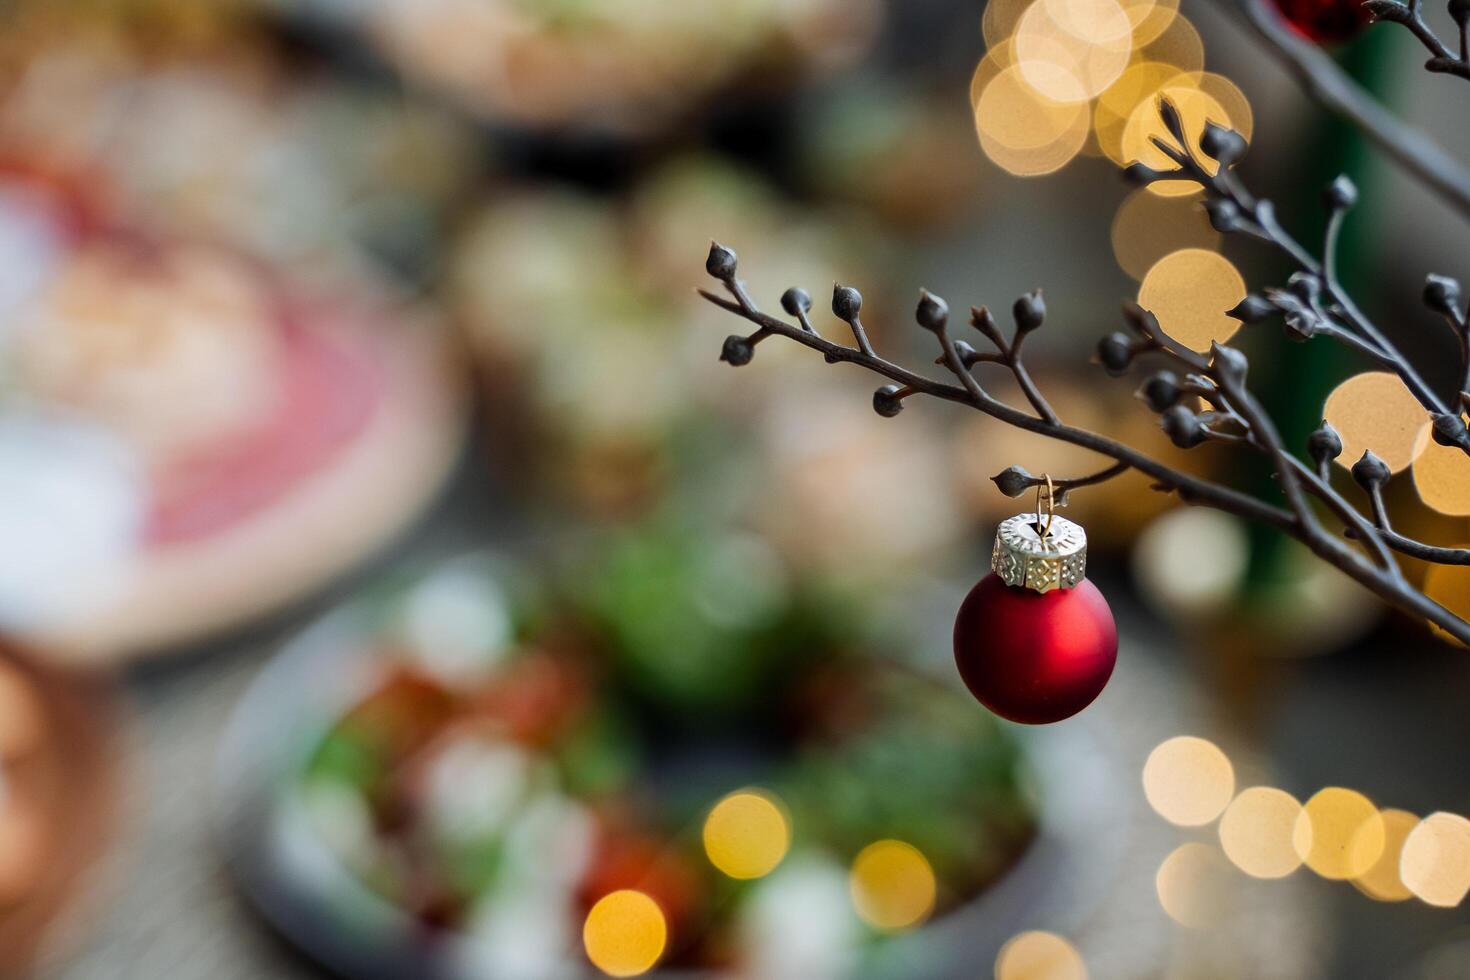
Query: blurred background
x,y
393,583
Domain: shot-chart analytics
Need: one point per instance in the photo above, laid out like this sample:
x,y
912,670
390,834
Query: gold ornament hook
x,y
1051,497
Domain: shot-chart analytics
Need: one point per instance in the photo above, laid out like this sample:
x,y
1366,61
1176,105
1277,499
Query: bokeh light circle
x,y
1374,410
892,885
1071,50
1382,881
625,933
1176,43
1188,780
1022,131
1190,291
1339,834
1257,832
1442,477
1038,955
1148,227
1192,885
746,834
1435,862
1169,573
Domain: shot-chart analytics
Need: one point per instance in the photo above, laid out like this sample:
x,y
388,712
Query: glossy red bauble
x,y
1035,657
1325,21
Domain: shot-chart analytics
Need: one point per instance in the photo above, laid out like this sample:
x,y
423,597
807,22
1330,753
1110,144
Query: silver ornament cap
x,y
1040,552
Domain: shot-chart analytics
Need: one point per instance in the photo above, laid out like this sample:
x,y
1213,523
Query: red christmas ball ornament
x,y
1034,640
1325,21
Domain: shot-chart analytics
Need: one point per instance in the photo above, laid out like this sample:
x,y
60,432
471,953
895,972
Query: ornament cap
x,y
1026,557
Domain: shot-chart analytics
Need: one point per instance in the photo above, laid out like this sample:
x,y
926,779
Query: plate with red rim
x,y
274,435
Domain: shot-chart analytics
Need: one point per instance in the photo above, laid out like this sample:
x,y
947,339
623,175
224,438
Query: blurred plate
x,y
302,890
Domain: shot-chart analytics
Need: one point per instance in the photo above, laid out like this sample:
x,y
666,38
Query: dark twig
x,y
1330,86
1410,14
1314,302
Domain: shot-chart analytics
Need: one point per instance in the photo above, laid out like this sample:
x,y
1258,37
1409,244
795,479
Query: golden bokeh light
x,y
1071,50
1039,955
1190,291
1192,884
1442,477
1449,585
1022,131
1177,43
1258,830
1382,881
1170,577
1150,20
1339,834
1188,780
998,22
1148,227
1139,84
892,885
625,933
746,834
1435,863
996,60
1374,410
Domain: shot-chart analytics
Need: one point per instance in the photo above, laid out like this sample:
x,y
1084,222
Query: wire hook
x,y
1051,497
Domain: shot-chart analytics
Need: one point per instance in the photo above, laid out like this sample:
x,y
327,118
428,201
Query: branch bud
x,y
1225,145
721,262
1449,430
1253,309
886,401
1014,481
1442,295
1227,364
1460,11
796,301
1183,427
1324,443
1115,352
1169,113
1341,194
1370,472
1029,312
1160,392
933,312
737,351
1225,215
846,302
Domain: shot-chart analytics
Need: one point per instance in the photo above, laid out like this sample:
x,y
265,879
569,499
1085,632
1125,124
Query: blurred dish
x,y
58,805
443,782
567,298
614,65
243,442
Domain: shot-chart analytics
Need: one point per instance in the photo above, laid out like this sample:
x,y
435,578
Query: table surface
x,y
168,909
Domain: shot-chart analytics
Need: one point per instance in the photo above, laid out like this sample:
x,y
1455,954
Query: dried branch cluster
x,y
1410,13
1198,398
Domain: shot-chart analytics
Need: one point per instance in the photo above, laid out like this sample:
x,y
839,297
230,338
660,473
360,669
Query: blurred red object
x,y
59,764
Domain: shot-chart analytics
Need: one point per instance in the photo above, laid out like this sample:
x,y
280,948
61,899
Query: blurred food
x,y
567,300
239,412
621,65
575,766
